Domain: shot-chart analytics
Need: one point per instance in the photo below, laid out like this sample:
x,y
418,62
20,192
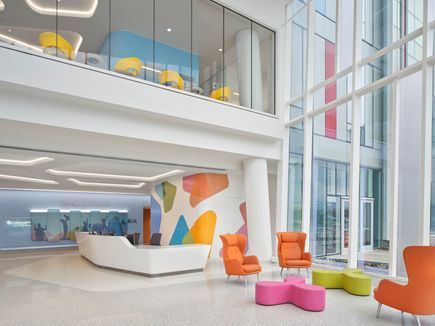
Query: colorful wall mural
x,y
197,208
57,225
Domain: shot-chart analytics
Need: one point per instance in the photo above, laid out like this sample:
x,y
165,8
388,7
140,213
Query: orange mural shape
x,y
204,185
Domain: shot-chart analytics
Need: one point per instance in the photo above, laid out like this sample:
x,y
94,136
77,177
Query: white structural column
x,y
355,142
249,69
257,207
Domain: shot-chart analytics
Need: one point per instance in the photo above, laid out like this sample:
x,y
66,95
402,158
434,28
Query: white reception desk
x,y
117,252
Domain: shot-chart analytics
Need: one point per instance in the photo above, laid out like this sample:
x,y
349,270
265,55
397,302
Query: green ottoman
x,y
353,280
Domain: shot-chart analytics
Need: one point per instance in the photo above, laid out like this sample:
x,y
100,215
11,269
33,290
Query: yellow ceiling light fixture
x,y
26,179
103,184
87,11
30,162
113,176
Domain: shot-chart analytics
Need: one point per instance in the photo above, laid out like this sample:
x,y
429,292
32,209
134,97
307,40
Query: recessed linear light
x,y
169,29
151,69
26,179
102,184
2,5
237,94
15,41
113,176
220,50
35,161
63,12
81,210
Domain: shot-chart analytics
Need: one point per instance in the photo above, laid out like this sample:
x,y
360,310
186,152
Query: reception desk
x,y
118,253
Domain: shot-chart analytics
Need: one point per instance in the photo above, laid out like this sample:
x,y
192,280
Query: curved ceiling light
x,y
113,176
26,179
102,184
51,10
31,162
14,41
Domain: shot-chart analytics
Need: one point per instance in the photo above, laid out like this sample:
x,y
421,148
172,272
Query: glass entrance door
x,y
366,224
345,225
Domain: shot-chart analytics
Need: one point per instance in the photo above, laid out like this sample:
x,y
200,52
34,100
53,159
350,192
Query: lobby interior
x,y
228,162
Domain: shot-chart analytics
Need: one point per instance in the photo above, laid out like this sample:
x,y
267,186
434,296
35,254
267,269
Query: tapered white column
x,y
249,69
257,208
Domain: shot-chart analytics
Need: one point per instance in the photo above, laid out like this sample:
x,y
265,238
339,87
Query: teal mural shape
x,y
181,229
159,190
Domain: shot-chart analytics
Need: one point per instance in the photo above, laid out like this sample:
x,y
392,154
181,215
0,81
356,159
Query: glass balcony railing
x,y
197,46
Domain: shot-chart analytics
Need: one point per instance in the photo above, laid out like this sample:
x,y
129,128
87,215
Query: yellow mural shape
x,y
202,231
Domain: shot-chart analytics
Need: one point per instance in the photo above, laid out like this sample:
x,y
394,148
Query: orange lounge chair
x,y
236,263
291,251
418,296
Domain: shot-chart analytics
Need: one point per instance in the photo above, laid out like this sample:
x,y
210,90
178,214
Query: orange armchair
x,y
291,251
418,296
236,263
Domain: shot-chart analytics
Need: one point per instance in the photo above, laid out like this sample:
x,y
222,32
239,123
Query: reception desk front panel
x,y
116,252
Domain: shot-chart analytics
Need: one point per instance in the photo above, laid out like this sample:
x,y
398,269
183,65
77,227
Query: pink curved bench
x,y
292,290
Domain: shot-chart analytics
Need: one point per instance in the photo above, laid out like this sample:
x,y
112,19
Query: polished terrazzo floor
x,y
64,289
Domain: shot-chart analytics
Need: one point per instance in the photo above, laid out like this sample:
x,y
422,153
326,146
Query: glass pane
x,y
432,206
177,67
83,35
374,237
333,91
131,39
325,52
263,68
385,22
295,177
298,10
330,213
237,58
208,47
22,25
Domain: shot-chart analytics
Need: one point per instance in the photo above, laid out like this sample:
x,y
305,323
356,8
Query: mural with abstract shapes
x,y
55,225
204,185
203,206
179,232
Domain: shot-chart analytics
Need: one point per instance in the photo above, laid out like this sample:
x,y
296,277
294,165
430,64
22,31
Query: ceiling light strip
x,y
109,185
63,12
30,162
81,210
112,176
26,179
15,41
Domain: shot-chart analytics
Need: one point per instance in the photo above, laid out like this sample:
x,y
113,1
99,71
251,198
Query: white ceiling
x,y
80,163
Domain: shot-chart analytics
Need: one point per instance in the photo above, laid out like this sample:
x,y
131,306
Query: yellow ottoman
x,y
353,280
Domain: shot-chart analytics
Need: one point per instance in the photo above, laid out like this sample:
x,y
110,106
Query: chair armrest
x,y
306,256
389,290
233,267
251,260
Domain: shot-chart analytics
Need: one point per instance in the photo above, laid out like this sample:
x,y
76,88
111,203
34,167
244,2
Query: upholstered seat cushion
x,y
248,268
298,263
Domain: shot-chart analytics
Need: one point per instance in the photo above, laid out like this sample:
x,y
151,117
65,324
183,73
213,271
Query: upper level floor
x,y
197,46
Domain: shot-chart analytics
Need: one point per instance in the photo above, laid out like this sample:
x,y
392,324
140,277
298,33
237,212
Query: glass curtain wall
x,y
197,46
432,207
329,233
384,23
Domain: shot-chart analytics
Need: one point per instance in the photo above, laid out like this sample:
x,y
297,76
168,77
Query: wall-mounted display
x,y
57,225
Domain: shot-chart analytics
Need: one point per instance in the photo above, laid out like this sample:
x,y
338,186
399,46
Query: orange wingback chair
x,y
236,263
418,296
291,251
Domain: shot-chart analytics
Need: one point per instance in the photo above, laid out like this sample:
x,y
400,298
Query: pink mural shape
x,y
188,183
244,228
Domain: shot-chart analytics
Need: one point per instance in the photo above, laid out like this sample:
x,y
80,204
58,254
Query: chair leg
x,y
379,310
417,318
282,268
286,272
258,277
238,278
228,278
299,272
308,273
246,281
